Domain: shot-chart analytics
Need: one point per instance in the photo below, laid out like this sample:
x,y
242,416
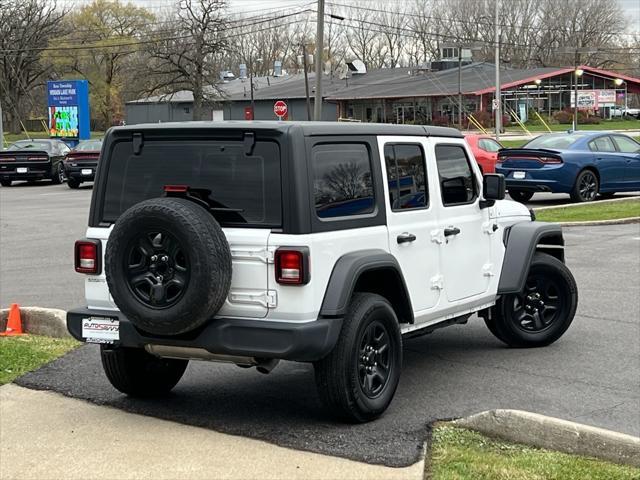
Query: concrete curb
x,y
597,202
617,221
556,434
51,322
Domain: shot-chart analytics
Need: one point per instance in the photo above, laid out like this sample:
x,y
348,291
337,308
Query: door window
x,y
457,182
602,144
406,176
626,145
342,182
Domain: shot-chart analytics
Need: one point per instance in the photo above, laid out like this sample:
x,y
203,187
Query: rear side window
x,y
244,189
457,183
406,176
602,144
488,145
342,180
626,145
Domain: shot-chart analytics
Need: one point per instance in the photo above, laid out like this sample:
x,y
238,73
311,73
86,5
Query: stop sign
x,y
280,109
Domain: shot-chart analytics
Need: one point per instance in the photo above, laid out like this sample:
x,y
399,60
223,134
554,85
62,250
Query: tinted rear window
x,y
554,141
247,184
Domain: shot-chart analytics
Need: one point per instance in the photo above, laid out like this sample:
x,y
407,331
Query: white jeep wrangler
x,y
252,242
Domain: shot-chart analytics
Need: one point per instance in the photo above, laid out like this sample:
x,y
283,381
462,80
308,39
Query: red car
x,y
485,149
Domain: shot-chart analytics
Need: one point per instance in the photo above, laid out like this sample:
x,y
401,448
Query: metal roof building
x,y
405,95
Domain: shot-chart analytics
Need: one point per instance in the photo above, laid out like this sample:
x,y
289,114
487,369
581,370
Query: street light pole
x,y
498,109
317,105
575,98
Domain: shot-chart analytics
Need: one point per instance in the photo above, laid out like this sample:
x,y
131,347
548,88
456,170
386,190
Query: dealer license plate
x,y
519,175
22,170
86,171
100,329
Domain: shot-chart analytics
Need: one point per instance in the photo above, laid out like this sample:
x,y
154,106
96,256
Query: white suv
x,y
252,242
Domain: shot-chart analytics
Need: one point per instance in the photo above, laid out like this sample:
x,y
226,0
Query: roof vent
x,y
357,67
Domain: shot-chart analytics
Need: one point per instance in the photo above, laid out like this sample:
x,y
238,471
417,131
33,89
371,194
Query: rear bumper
x,y
35,171
76,172
252,338
531,185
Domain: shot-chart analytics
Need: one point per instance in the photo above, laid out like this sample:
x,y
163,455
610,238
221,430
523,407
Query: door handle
x,y
451,231
406,237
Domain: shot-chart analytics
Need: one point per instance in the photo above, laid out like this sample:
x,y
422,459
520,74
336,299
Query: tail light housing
x,y
550,160
7,159
37,159
88,255
292,265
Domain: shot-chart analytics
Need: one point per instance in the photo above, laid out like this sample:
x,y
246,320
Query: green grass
x,y
519,143
459,454
604,125
591,211
19,355
12,137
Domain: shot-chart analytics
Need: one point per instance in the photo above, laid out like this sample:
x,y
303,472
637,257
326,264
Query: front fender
x,y
521,242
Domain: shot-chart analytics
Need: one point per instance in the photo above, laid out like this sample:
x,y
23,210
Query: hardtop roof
x,y
308,128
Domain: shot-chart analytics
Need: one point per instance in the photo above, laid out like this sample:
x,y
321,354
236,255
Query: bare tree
x,y
26,28
188,56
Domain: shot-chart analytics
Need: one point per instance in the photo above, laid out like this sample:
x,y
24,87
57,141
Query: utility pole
x,y
575,94
1,131
459,87
317,105
253,103
306,80
498,103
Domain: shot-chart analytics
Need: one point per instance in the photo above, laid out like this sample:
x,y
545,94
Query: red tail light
x,y
87,256
7,159
37,159
292,265
176,188
550,160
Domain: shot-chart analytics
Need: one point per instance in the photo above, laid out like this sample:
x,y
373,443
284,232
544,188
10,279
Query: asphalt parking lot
x,y
590,375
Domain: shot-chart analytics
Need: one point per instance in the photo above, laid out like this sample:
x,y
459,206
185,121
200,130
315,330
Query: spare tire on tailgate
x,y
168,265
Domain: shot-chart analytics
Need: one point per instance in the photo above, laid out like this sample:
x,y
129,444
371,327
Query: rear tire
x,y
586,187
5,183
543,311
58,176
137,373
357,380
520,195
73,183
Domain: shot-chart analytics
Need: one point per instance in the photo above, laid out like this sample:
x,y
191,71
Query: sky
x,y
631,7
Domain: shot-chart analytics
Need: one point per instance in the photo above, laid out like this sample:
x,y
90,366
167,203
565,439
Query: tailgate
x,y
249,295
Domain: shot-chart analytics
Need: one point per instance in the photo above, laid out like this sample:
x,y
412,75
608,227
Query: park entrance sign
x,y
68,105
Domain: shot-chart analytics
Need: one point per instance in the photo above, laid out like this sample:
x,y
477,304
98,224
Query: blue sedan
x,y
582,164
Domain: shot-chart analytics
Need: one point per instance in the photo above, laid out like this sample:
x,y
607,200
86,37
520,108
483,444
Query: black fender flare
x,y
521,241
346,272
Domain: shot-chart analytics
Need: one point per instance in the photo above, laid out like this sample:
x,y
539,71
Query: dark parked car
x,y
582,164
33,160
80,163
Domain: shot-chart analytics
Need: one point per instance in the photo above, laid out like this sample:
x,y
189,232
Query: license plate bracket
x,y
100,329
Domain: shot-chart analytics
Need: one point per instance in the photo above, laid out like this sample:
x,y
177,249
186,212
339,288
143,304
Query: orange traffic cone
x,y
14,324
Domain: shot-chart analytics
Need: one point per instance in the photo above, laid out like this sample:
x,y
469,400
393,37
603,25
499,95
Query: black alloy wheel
x,y
541,303
586,187
374,361
157,269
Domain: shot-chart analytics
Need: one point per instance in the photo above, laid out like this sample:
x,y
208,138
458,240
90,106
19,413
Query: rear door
x,y
463,228
411,218
629,151
611,165
242,189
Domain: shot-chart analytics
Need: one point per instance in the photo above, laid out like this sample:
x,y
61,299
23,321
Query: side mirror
x,y
493,188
